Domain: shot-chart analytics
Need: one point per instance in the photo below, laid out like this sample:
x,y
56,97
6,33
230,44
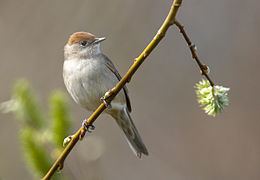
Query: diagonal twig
x,y
58,164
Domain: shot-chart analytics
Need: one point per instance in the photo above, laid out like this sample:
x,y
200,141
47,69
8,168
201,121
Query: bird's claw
x,y
105,97
108,105
86,128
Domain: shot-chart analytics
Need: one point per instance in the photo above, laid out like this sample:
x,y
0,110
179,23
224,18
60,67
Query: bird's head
x,y
82,45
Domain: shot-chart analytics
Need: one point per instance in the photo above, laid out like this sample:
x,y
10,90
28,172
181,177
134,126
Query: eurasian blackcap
x,y
88,74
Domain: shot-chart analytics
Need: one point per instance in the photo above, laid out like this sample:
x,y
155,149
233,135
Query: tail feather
x,y
133,138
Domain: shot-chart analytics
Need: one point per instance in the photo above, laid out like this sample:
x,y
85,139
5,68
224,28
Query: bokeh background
x,y
183,142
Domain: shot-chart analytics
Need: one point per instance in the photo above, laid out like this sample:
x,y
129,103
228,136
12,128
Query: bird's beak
x,y
98,40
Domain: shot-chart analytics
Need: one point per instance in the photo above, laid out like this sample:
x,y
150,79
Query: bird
x,y
88,74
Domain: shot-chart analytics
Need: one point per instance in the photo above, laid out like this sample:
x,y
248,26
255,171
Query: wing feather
x,y
111,66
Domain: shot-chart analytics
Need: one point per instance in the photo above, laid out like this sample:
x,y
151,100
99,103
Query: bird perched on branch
x,y
88,74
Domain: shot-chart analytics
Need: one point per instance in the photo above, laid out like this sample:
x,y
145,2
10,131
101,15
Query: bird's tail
x,y
134,140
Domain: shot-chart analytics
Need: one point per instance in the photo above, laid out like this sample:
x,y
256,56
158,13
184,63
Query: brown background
x,y
184,143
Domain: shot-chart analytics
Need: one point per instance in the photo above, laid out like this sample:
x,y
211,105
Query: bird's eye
x,y
83,43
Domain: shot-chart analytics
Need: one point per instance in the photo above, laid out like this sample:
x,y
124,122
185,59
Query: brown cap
x,y
80,36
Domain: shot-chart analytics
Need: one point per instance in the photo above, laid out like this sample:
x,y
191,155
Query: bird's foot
x,y
105,97
86,128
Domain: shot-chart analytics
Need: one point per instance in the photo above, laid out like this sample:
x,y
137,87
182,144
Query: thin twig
x,y
58,164
204,68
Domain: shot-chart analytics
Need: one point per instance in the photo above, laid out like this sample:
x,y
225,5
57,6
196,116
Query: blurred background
x,y
184,143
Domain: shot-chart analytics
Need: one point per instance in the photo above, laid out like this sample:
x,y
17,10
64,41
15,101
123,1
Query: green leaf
x,y
35,156
60,117
25,105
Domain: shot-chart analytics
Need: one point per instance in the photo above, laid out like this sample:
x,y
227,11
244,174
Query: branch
x,y
58,164
204,68
213,99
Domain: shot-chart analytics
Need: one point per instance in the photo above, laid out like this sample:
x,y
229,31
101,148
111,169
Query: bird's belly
x,y
93,89
87,85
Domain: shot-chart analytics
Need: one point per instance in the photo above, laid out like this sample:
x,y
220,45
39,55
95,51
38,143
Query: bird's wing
x,y
111,66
